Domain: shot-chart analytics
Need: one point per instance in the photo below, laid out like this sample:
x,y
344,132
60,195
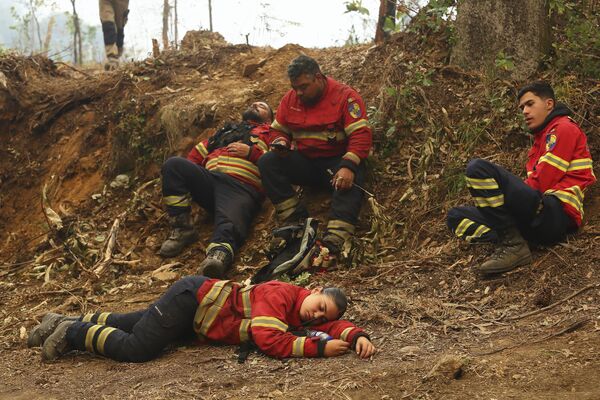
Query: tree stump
x,y
514,31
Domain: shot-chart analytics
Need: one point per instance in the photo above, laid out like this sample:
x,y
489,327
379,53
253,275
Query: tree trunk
x,y
210,14
517,32
35,26
176,38
387,12
165,27
77,56
48,37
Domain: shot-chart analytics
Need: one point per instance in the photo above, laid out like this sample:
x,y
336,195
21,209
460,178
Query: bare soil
x,y
442,333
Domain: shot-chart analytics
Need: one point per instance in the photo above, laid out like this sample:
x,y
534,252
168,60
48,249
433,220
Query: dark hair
x,y
540,88
302,65
270,110
338,297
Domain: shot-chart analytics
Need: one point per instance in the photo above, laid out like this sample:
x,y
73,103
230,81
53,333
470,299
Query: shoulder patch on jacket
x,y
550,141
354,110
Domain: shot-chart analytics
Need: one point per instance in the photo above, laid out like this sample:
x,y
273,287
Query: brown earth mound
x,y
441,332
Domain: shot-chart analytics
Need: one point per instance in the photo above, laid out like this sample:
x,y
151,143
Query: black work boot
x,y
512,252
183,233
40,333
334,243
56,344
217,263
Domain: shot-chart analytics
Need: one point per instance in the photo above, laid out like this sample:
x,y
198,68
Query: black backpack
x,y
295,255
230,133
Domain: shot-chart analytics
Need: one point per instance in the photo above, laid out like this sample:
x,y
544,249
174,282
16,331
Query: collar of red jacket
x,y
559,110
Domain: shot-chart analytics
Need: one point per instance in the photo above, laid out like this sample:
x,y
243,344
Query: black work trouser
x,y
141,335
279,173
234,204
504,200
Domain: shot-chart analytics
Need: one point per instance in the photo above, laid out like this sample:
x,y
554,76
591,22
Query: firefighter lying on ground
x,y
543,208
326,121
214,311
219,174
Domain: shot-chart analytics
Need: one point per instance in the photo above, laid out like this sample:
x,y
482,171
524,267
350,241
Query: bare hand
x,y
343,179
364,347
238,149
336,347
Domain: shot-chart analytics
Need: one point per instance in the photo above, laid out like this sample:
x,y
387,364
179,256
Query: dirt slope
x,y
442,333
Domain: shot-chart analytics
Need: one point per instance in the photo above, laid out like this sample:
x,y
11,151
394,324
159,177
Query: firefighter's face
x,y
318,307
259,111
535,109
309,88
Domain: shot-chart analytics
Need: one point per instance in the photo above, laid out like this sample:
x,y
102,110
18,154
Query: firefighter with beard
x,y
219,174
321,137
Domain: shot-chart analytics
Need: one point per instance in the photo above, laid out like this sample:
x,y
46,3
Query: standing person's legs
x,y
168,319
109,29
121,8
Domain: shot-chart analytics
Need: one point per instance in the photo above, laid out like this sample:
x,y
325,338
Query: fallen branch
x,y
107,258
541,310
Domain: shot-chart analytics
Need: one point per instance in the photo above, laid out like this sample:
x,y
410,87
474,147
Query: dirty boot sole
x,y
40,333
56,345
172,248
213,269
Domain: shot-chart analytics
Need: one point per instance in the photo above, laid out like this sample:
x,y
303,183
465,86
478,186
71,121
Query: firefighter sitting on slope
x,y
281,319
545,207
219,174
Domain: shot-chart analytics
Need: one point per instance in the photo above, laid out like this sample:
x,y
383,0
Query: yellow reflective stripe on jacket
x,y
245,330
352,157
581,163
269,322
361,123
345,333
201,149
555,161
298,347
486,183
482,229
495,201
178,201
87,317
89,337
246,304
529,173
261,144
572,196
339,136
102,339
280,127
211,305
463,226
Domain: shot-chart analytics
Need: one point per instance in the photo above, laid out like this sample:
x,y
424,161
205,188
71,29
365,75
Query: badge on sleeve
x,y
354,110
550,142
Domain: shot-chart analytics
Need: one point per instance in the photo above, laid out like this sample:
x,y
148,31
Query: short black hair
x,y
302,65
541,89
339,298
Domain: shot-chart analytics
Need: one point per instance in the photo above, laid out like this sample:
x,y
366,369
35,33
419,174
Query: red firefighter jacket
x,y
265,313
335,126
242,169
560,164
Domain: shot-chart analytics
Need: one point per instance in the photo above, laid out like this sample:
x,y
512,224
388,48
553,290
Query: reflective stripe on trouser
x,y
469,224
113,16
502,198
150,330
234,204
280,173
342,229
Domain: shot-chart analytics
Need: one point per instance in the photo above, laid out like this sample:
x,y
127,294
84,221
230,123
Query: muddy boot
x,y
217,263
334,243
512,252
182,234
56,345
40,333
111,64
